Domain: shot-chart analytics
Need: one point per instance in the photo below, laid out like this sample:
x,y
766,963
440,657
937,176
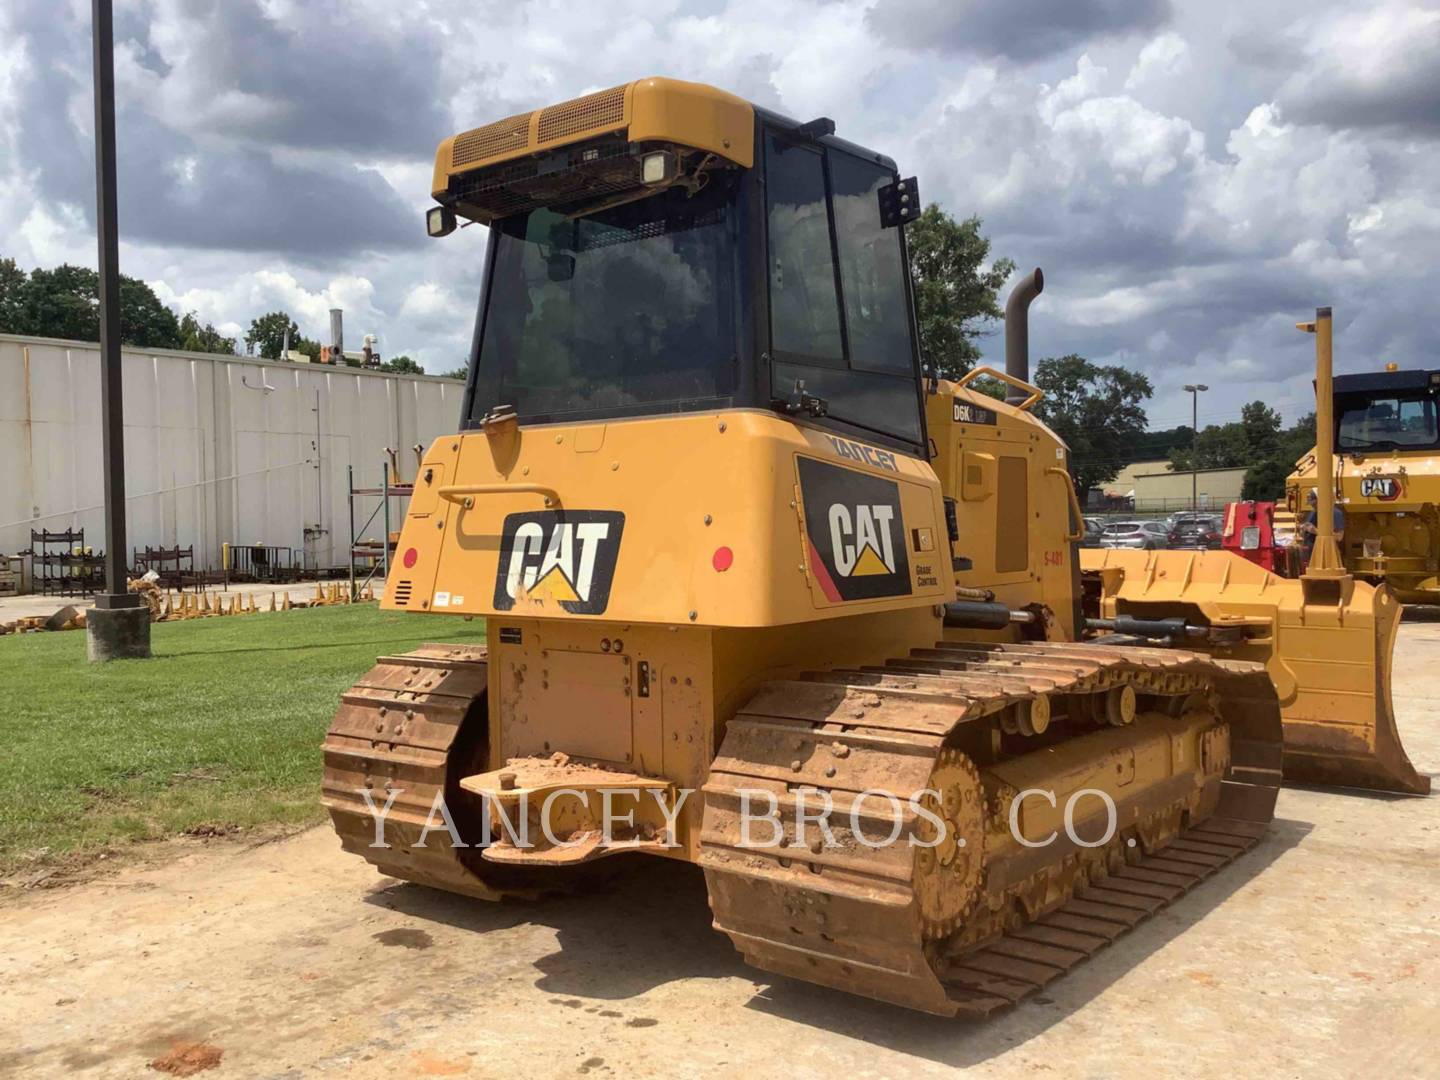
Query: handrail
x,y
1020,384
1074,503
464,494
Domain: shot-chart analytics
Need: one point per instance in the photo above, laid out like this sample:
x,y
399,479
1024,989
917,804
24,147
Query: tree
x,y
954,293
65,303
1097,411
1242,443
267,334
12,298
266,337
1261,425
1155,445
197,338
402,365
458,373
1266,478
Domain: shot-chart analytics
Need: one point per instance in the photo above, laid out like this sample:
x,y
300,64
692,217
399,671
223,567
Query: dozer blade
x,y
1329,655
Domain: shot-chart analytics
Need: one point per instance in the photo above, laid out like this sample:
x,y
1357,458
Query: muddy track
x,y
975,927
399,730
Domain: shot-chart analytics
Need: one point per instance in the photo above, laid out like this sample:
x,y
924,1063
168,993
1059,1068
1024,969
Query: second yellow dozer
x,y
761,597
1326,638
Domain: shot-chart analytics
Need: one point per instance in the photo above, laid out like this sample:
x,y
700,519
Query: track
x,y
398,728
976,927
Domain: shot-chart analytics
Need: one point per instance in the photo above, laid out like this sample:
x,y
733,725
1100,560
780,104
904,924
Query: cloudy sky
x,y
1193,177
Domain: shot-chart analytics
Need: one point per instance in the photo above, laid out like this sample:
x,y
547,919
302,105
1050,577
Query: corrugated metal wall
x,y
217,448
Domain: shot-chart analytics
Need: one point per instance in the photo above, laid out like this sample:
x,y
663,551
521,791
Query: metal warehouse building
x,y
218,448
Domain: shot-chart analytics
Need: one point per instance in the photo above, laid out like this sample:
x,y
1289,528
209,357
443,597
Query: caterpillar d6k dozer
x,y
1326,638
739,613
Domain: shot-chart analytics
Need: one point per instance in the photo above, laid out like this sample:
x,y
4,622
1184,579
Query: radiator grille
x,y
402,594
496,138
604,109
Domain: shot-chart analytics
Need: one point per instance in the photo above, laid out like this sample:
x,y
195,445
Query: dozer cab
x,y
1326,637
761,597
1386,474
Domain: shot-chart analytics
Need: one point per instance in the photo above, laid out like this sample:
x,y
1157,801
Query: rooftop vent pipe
x,y
1017,332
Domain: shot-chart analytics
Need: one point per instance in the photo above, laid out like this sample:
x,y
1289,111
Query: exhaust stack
x,y
1017,331
337,332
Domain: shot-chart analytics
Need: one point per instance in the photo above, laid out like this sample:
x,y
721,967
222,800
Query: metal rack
x,y
12,574
371,557
269,563
62,572
171,564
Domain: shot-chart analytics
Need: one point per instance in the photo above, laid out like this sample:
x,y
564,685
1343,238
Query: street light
x,y
1194,389
118,626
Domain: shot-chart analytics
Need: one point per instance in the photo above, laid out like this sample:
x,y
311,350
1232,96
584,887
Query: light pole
x,y
1194,389
118,626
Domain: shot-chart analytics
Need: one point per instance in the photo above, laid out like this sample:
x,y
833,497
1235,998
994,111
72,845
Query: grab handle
x,y
1070,538
464,494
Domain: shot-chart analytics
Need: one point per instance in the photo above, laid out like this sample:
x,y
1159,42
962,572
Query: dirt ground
x,y
1315,955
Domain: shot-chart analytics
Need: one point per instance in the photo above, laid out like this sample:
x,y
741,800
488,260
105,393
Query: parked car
x,y
1148,535
1196,532
1177,519
1094,529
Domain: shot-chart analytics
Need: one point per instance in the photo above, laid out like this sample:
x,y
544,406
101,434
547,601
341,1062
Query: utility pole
x,y
118,626
1194,389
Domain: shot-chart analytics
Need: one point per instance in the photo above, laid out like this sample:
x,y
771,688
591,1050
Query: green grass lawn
x,y
222,728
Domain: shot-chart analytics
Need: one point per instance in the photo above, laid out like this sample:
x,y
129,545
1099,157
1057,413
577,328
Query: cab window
x,y
839,307
804,309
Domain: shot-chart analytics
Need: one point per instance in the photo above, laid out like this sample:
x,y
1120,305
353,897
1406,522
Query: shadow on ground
x,y
650,924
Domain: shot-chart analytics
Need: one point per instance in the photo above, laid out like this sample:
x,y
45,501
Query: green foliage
x,y
955,296
223,727
1158,445
65,303
1257,443
1266,478
12,296
459,373
1097,410
266,337
197,338
402,364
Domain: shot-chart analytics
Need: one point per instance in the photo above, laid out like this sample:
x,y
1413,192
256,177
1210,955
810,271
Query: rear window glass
x,y
804,307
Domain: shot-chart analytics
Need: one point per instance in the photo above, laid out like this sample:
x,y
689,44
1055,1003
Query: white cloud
x,y
1161,59
1190,189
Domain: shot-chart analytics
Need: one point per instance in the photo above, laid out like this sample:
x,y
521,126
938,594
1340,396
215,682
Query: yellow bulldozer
x,y
1327,637
761,596
1386,474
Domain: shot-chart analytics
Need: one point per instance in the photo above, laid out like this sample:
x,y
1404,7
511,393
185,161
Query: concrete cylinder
x,y
117,633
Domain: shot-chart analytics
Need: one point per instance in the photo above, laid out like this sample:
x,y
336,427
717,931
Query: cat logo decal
x,y
561,557
1384,488
854,531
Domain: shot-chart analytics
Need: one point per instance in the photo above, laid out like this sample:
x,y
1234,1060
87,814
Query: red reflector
x,y
410,556
722,559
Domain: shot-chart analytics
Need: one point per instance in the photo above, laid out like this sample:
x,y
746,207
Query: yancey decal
x,y
855,532
565,557
1384,488
855,451
966,412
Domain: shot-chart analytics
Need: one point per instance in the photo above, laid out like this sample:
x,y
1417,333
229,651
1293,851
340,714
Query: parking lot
x,y
1182,530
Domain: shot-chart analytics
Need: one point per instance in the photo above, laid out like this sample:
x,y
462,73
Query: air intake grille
x,y
496,138
402,594
570,176
604,109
